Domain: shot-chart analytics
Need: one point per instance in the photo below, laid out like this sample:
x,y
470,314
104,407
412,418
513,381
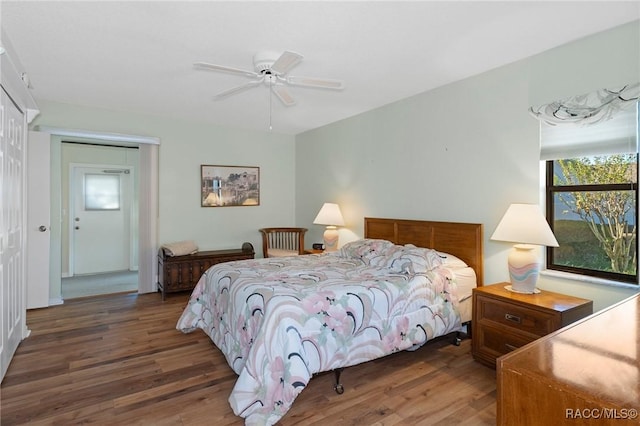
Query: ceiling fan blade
x,y
231,70
283,94
237,89
286,62
318,83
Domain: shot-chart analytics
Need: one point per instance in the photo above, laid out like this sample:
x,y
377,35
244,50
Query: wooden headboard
x,y
463,240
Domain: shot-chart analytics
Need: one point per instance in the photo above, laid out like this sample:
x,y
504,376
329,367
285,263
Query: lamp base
x,y
524,268
510,288
331,238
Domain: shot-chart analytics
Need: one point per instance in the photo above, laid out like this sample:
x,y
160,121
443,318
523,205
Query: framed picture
x,y
225,186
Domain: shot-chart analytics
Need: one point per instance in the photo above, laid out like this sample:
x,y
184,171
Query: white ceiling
x,y
138,56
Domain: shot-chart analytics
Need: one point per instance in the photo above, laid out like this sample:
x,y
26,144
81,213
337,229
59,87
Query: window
x,y
101,192
590,145
592,209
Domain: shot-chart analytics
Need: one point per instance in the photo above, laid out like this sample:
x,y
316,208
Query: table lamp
x,y
330,216
524,225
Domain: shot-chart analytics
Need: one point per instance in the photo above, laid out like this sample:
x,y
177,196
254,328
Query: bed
x,y
279,321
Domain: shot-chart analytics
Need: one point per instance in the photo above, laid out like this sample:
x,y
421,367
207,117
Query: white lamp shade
x,y
329,215
525,224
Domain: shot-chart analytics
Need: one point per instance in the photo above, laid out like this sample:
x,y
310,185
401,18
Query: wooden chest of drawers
x,y
585,374
504,321
181,273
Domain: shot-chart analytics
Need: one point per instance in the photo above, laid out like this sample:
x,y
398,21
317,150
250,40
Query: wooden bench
x,y
181,273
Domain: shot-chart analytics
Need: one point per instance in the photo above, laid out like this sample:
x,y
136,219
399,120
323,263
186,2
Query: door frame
x,y
131,211
148,191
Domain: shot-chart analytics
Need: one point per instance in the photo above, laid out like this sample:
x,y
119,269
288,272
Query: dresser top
x,y
545,299
597,357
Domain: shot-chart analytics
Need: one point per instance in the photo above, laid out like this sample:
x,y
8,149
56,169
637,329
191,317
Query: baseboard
x,y
56,301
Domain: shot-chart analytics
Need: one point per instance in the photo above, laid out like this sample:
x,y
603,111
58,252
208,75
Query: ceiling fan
x,y
271,69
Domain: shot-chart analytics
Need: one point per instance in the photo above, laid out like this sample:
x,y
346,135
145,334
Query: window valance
x,y
600,122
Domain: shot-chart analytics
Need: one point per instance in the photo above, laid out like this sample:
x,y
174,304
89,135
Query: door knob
x,y
42,228
77,227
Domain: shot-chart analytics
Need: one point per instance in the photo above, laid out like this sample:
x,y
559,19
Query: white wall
x,y
442,155
605,59
462,152
184,147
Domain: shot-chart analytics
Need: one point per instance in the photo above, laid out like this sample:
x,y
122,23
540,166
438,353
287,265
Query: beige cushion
x,y
180,248
282,253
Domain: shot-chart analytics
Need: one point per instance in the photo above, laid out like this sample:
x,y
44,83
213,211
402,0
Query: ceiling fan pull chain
x,y
270,92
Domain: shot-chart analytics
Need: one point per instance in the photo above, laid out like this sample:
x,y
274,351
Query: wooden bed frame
x,y
463,240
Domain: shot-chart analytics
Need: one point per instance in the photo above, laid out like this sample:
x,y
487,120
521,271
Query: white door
x,y
12,267
38,219
100,220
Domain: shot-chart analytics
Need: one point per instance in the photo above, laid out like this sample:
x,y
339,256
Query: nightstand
x,y
313,251
503,320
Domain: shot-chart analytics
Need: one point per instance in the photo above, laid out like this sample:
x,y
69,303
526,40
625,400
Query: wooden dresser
x,y
181,273
503,320
585,374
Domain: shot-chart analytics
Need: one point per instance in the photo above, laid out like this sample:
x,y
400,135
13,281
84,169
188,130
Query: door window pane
x,y
101,192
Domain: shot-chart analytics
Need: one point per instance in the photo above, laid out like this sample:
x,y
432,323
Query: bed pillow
x,y
408,259
418,260
365,249
452,261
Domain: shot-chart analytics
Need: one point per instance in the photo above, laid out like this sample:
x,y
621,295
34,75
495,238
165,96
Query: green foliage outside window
x,y
593,213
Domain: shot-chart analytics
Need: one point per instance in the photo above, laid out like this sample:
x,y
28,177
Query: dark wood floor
x,y
118,359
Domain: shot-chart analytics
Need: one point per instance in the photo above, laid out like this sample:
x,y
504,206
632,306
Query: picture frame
x,y
229,186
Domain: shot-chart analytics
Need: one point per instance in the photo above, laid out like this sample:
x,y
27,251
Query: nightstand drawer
x,y
517,317
503,320
497,342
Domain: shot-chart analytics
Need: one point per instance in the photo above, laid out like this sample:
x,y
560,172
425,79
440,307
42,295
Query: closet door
x,y
12,217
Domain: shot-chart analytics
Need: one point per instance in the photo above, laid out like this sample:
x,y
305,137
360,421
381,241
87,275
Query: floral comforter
x,y
280,320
